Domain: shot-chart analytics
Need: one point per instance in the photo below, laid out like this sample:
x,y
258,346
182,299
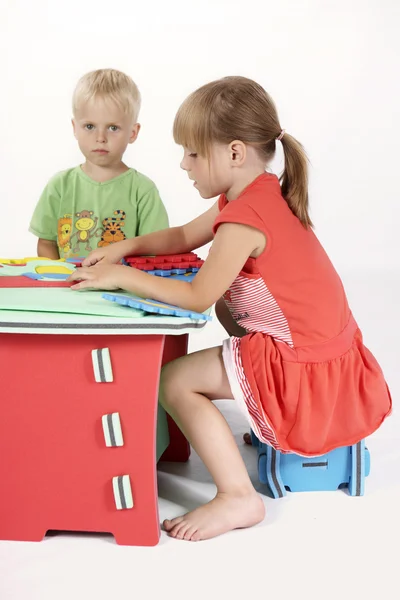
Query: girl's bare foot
x,y
224,513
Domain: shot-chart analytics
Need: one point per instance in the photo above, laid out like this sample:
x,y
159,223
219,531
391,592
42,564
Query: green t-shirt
x,y
81,214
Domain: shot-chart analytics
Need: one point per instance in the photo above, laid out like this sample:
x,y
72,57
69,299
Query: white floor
x,y
311,545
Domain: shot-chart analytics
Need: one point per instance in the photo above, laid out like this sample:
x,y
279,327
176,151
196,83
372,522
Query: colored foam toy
x,y
343,467
39,269
170,262
36,272
23,261
24,281
152,306
43,272
185,276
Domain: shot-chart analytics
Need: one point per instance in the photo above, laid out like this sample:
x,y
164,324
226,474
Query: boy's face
x,y
103,131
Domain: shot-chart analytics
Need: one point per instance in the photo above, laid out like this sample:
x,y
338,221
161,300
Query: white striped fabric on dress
x,y
253,307
261,426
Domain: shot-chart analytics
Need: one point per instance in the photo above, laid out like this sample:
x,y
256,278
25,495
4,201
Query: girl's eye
x,y
114,127
89,126
193,154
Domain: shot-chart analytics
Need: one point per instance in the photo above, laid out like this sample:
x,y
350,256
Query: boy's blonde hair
x,y
108,83
237,108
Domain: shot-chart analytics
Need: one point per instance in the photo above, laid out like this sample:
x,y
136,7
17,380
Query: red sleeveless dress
x,y
302,375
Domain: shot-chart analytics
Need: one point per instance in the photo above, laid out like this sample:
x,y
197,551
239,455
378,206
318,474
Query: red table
x,y
56,471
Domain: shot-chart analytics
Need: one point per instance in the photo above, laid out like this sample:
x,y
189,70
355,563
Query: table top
x,y
62,311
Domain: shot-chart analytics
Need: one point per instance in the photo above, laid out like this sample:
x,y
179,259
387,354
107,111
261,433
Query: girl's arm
x,y
175,240
233,244
224,316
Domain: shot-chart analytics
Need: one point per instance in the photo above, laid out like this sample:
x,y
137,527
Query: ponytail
x,y
237,108
294,179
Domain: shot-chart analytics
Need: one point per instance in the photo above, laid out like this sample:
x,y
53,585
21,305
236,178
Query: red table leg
x,y
55,470
179,448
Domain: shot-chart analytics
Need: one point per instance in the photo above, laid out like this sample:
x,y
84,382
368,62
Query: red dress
x,y
302,374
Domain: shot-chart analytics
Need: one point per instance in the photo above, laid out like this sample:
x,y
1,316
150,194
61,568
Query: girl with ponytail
x,y
295,361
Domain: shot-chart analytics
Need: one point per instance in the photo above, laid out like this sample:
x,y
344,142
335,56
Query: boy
x,y
101,201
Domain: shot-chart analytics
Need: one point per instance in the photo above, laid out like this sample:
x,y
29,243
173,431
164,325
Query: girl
x,y
295,364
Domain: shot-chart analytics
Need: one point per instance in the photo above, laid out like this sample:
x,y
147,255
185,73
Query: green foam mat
x,y
63,300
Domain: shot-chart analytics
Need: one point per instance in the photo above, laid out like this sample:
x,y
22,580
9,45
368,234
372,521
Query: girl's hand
x,y
110,254
100,276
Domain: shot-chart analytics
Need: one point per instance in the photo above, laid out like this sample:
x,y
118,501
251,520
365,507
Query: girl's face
x,y
212,176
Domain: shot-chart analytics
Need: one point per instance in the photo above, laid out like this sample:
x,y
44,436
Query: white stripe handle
x,y
102,366
122,492
112,430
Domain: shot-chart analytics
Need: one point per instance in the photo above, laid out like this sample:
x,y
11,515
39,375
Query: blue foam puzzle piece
x,y
180,276
60,276
75,259
188,277
161,272
180,271
46,276
152,306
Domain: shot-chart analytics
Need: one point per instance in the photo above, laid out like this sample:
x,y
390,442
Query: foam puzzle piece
x,y
152,306
44,272
36,269
54,269
28,281
170,262
58,300
23,261
77,261
181,277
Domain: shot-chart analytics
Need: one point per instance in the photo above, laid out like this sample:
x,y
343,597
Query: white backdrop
x,y
332,68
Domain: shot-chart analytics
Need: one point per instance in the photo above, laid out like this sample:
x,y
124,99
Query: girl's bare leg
x,y
187,386
232,328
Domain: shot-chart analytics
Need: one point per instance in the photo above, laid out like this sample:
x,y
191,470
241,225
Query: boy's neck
x,y
102,174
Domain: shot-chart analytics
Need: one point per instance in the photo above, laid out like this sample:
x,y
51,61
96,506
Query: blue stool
x,y
343,467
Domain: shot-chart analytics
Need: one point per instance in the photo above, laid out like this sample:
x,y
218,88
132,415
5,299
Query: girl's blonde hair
x,y
237,108
110,84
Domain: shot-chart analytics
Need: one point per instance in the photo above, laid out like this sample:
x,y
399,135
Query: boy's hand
x,y
104,277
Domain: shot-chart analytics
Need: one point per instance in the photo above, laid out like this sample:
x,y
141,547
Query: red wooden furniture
x,y
56,472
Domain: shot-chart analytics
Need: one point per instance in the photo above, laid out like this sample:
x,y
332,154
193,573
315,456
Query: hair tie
x,y
280,136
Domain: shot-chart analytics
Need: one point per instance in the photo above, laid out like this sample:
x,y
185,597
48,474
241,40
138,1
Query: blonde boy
x,y
101,201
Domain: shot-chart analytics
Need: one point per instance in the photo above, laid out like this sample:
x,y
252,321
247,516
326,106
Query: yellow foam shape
x,y
21,261
51,269
155,303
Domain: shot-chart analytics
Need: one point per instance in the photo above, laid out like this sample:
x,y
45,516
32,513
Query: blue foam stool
x,y
343,467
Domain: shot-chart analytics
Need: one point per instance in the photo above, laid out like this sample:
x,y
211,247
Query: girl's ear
x,y
237,150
